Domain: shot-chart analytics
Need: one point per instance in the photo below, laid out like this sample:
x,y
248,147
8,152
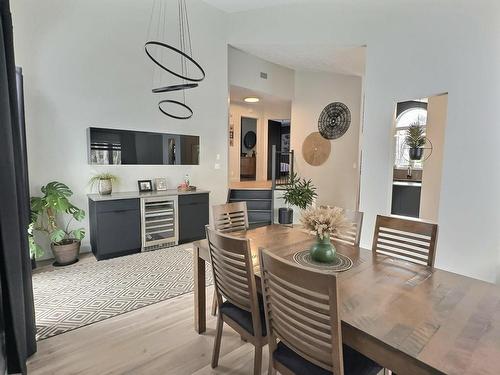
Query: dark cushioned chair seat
x,y
244,318
355,363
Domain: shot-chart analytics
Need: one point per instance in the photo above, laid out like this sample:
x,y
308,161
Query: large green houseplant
x,y
47,213
300,193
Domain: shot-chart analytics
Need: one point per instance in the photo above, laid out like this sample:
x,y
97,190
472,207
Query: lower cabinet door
x,y
192,221
119,233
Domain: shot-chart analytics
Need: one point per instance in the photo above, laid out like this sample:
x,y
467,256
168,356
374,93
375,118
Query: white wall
x,y
263,112
416,49
437,110
244,71
84,65
337,180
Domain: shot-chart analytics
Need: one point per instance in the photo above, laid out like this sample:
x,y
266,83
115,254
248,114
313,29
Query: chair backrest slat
x,y
353,235
301,311
233,274
410,240
230,217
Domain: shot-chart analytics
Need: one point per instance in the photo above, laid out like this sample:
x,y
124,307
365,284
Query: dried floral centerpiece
x,y
324,221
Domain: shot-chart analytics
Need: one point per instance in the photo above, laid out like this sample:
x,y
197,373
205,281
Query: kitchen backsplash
x,y
401,174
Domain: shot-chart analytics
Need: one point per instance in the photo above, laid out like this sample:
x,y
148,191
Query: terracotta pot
x,y
105,186
67,253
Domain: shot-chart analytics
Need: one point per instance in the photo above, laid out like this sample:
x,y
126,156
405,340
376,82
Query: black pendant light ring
x,y
183,54
178,104
183,86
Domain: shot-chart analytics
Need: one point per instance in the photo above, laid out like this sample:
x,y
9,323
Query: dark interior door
x,y
273,139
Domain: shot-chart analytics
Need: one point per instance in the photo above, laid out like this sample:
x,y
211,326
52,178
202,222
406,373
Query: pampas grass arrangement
x,y
325,221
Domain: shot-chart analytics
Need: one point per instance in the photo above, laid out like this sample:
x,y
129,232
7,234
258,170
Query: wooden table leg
x,y
200,317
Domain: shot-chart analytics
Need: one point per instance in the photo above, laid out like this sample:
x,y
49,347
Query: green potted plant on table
x,y
324,221
299,192
104,182
415,139
47,212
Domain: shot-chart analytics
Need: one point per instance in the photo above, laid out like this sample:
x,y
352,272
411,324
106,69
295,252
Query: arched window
x,y
415,115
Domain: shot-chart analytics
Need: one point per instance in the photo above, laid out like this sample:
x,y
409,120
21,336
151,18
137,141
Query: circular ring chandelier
x,y
177,67
183,56
182,86
177,103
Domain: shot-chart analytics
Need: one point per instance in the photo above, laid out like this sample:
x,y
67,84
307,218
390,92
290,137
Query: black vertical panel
x,y
3,362
15,271
22,185
273,138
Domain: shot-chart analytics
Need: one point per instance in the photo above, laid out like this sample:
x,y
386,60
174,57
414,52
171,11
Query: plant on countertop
x,y
102,176
299,192
45,211
104,182
415,136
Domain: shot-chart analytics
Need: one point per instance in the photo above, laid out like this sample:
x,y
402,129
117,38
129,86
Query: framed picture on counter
x,y
161,184
145,185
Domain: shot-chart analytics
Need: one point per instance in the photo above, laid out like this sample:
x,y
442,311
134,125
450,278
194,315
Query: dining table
x,y
409,318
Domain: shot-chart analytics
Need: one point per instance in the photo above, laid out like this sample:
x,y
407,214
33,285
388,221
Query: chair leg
x,y
271,370
214,304
217,342
257,360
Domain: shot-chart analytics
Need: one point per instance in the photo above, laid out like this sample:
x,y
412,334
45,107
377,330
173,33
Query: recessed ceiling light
x,y
251,99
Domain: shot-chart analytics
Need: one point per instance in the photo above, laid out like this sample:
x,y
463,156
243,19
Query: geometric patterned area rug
x,y
74,296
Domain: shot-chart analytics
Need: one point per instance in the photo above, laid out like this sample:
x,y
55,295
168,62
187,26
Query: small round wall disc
x,y
316,149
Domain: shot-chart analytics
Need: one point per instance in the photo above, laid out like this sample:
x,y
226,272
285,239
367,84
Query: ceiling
x,y
238,94
232,6
321,58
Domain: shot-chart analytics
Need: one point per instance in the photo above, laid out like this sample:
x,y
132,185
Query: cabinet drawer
x,y
190,199
117,205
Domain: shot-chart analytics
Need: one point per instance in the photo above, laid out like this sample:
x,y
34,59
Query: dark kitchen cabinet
x,y
406,200
193,216
115,227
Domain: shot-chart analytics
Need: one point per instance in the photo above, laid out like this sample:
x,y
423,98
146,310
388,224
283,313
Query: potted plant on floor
x,y
47,213
324,222
299,192
36,251
415,139
104,182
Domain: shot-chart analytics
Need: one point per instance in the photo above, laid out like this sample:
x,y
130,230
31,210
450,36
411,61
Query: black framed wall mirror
x,y
129,147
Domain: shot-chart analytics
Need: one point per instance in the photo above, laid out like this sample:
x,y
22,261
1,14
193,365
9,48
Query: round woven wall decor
x,y
334,120
316,149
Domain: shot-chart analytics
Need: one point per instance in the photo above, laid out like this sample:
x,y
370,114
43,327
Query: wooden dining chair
x,y
303,322
239,305
410,240
229,217
353,235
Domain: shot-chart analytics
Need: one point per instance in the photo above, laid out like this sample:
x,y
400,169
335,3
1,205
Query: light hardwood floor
x,y
158,339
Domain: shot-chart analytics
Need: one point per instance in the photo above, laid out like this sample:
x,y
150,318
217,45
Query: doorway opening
x,y
255,128
248,143
278,137
419,129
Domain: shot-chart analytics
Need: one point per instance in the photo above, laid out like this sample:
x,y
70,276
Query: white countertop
x,y
137,194
407,183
